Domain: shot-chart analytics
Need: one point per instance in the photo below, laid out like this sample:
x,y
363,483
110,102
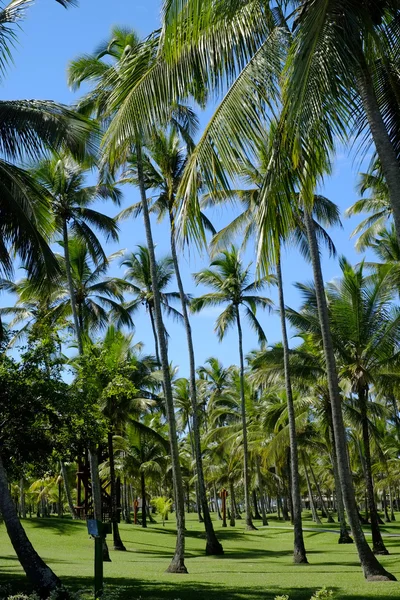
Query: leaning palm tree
x,y
246,225
29,127
138,274
232,287
164,162
185,35
365,331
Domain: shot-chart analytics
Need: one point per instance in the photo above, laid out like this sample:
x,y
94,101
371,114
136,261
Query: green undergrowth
x,y
256,565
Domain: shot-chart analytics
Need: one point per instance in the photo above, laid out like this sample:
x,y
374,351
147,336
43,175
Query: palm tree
x,y
145,455
365,332
357,41
232,287
138,275
132,66
98,298
71,202
246,224
164,163
29,128
378,204
371,566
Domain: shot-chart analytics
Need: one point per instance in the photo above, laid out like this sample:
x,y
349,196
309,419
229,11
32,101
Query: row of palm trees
x,y
275,131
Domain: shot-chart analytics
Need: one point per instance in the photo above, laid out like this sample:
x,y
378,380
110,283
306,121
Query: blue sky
x,y
51,36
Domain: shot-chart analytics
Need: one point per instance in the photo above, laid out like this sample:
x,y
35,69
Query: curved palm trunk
x,y
299,550
71,290
386,152
40,575
372,568
213,546
378,545
178,562
67,489
117,542
246,478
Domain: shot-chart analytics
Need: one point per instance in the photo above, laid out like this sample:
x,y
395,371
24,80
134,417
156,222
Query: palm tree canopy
x,y
232,285
138,275
71,201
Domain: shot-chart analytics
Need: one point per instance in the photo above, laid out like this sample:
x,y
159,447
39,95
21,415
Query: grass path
x,y
256,565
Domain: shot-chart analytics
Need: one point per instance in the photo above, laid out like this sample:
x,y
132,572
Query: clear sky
x,y
51,36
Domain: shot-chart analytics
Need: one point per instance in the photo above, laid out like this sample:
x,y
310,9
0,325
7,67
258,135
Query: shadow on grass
x,y
64,527
133,589
179,589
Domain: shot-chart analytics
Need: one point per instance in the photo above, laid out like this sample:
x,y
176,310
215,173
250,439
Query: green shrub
x,y
323,594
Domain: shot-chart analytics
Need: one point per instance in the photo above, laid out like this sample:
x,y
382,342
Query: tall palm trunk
x,y
233,507
299,551
344,537
117,542
386,152
246,475
261,488
144,503
153,328
378,545
314,513
40,575
325,511
22,502
369,563
178,562
71,290
213,546
67,489
198,501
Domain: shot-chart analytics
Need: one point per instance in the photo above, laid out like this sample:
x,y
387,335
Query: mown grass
x,y
256,565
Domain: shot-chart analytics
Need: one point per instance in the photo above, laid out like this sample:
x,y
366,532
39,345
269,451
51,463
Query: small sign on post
x,y
96,530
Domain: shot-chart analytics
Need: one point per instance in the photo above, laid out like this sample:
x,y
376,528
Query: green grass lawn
x,y
256,565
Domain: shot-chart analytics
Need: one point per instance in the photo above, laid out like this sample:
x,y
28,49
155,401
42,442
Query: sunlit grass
x,y
256,565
